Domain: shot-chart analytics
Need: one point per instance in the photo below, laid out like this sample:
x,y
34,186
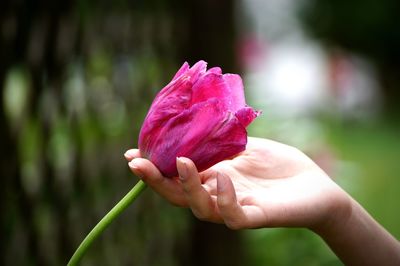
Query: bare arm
x,y
357,239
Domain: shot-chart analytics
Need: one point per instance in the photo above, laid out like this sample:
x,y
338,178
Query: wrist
x,y
338,213
357,239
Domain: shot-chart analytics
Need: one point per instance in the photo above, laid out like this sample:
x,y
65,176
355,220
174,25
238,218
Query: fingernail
x,y
135,169
182,168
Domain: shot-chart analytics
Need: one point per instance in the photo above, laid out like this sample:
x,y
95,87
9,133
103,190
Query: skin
x,y
274,185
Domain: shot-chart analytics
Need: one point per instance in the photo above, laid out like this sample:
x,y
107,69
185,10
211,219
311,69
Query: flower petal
x,y
205,133
183,79
228,140
197,70
228,88
215,70
184,68
171,101
210,86
235,85
246,115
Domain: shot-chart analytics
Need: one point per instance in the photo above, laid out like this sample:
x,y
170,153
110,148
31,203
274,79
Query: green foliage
x,y
287,247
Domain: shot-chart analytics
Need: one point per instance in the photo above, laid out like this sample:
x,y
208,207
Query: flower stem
x,y
107,219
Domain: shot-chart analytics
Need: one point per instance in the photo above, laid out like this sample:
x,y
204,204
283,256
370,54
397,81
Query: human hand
x,y
267,185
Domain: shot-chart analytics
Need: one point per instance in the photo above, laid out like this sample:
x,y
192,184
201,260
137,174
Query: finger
x,y
200,202
131,154
168,188
230,210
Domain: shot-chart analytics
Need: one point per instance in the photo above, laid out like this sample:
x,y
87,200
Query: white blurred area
x,y
291,75
295,80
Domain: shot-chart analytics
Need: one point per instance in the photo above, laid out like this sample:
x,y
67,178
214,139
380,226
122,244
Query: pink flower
x,y
201,114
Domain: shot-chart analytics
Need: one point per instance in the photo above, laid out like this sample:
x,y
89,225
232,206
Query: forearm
x,y
359,240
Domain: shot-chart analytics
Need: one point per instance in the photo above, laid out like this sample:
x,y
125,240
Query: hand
x,y
267,185
270,185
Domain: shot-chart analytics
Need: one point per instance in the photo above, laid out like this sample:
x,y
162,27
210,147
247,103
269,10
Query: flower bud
x,y
201,114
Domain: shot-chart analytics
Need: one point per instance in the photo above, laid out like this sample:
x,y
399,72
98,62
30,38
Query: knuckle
x,y
187,185
187,188
224,202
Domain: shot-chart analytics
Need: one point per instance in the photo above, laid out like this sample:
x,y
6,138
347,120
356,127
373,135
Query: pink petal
x,y
182,78
210,86
246,115
184,68
197,70
215,70
170,101
235,84
228,140
228,88
204,133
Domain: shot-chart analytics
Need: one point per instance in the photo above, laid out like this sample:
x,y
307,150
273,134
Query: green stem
x,y
107,219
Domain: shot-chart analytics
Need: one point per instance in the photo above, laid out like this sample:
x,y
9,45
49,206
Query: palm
x,y
268,184
269,174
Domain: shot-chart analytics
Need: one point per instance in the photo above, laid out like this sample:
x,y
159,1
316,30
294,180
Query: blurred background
x,y
77,78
